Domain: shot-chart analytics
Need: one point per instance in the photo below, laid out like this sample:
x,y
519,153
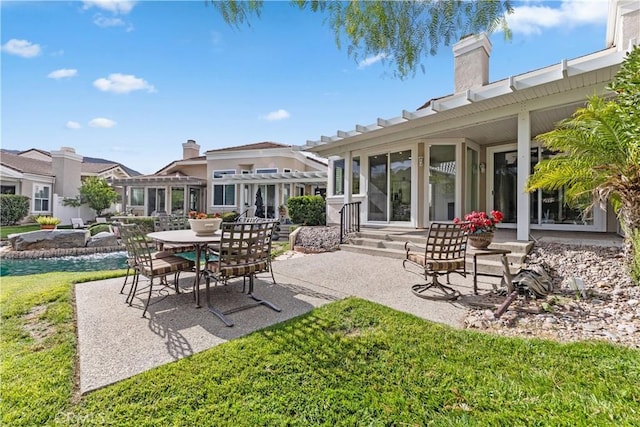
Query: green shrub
x,y
99,228
13,208
307,210
229,216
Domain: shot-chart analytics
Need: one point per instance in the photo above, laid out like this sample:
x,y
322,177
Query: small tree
x,y
98,194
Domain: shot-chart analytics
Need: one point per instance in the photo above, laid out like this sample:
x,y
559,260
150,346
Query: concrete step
x,y
487,266
390,244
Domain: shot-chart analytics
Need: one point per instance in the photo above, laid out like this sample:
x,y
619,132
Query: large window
x,y
338,176
137,196
177,200
41,197
7,189
223,194
442,182
267,170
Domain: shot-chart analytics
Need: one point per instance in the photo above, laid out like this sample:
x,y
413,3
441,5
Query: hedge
x,y
13,208
307,210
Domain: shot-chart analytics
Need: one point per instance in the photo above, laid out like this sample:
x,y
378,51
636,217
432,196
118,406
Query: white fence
x,y
65,213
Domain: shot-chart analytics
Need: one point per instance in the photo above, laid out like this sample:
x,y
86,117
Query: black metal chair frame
x,y
443,254
244,250
150,264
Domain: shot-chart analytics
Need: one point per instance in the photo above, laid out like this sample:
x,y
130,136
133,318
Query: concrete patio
x,y
115,342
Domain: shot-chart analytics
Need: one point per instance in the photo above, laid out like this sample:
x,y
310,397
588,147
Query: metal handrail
x,y
349,219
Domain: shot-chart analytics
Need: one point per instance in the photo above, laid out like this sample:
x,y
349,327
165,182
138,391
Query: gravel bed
x,y
608,308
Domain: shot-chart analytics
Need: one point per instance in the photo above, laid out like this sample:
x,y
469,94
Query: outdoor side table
x,y
507,278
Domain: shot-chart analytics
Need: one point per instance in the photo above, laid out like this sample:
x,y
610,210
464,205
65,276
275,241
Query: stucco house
x,y
475,148
225,180
49,177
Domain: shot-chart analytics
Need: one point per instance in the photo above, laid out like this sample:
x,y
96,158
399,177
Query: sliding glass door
x,y
389,197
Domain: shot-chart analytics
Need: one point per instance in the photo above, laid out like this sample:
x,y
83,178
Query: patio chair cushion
x,y
236,269
165,265
437,265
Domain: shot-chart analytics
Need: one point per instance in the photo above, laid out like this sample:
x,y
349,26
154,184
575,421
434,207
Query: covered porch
x,y
167,194
472,150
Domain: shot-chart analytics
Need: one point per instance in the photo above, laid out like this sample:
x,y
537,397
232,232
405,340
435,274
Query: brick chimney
x,y
190,150
471,62
67,168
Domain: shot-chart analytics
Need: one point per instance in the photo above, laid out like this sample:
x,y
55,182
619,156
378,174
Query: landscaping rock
x,y
102,239
610,311
48,239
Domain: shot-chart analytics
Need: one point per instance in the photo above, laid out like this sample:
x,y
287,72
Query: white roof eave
x,y
590,63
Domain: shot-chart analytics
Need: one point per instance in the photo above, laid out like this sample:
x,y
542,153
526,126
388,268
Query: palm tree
x,y
598,151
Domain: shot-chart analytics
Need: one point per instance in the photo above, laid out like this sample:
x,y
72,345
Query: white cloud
x,y
63,73
276,115
72,125
367,62
122,83
23,48
538,16
115,6
101,122
104,22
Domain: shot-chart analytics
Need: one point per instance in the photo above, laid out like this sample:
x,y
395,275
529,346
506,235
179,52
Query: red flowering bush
x,y
480,222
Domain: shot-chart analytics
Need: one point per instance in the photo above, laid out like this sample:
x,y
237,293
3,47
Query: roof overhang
x,y
149,180
488,114
316,177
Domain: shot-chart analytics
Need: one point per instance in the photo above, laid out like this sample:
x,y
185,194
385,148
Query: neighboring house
x,y
49,177
466,151
226,180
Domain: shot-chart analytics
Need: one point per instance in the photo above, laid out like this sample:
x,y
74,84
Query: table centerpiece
x,y
204,224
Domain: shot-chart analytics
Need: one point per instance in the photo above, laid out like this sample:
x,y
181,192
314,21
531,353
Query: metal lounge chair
x,y
244,250
444,253
78,223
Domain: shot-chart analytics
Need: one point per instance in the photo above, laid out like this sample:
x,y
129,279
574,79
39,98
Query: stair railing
x,y
349,219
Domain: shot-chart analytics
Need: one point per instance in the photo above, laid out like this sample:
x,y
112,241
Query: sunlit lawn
x,y
348,363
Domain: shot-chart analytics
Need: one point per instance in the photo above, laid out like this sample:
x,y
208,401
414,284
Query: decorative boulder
x,y
48,239
102,239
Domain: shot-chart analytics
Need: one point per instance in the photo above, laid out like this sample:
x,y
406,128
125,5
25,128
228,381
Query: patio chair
x,y
78,223
244,250
151,265
170,222
444,253
276,224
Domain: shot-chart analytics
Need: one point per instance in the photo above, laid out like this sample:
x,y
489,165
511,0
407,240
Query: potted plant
x,y
48,222
204,224
480,227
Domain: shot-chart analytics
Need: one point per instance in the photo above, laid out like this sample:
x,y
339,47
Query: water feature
x,y
93,262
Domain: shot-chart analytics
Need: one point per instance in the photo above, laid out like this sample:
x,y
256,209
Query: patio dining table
x,y
189,237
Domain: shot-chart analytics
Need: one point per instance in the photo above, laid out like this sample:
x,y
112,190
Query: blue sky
x,y
131,81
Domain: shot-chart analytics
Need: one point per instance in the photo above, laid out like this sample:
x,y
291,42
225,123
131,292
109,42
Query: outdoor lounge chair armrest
x,y
409,245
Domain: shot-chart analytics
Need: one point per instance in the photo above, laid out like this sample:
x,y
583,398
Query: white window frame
x,y
225,203
136,189
36,189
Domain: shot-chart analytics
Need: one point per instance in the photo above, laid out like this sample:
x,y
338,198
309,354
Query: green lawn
x,y
348,363
5,230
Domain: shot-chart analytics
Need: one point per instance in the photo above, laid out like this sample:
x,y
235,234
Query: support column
x,y
524,163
